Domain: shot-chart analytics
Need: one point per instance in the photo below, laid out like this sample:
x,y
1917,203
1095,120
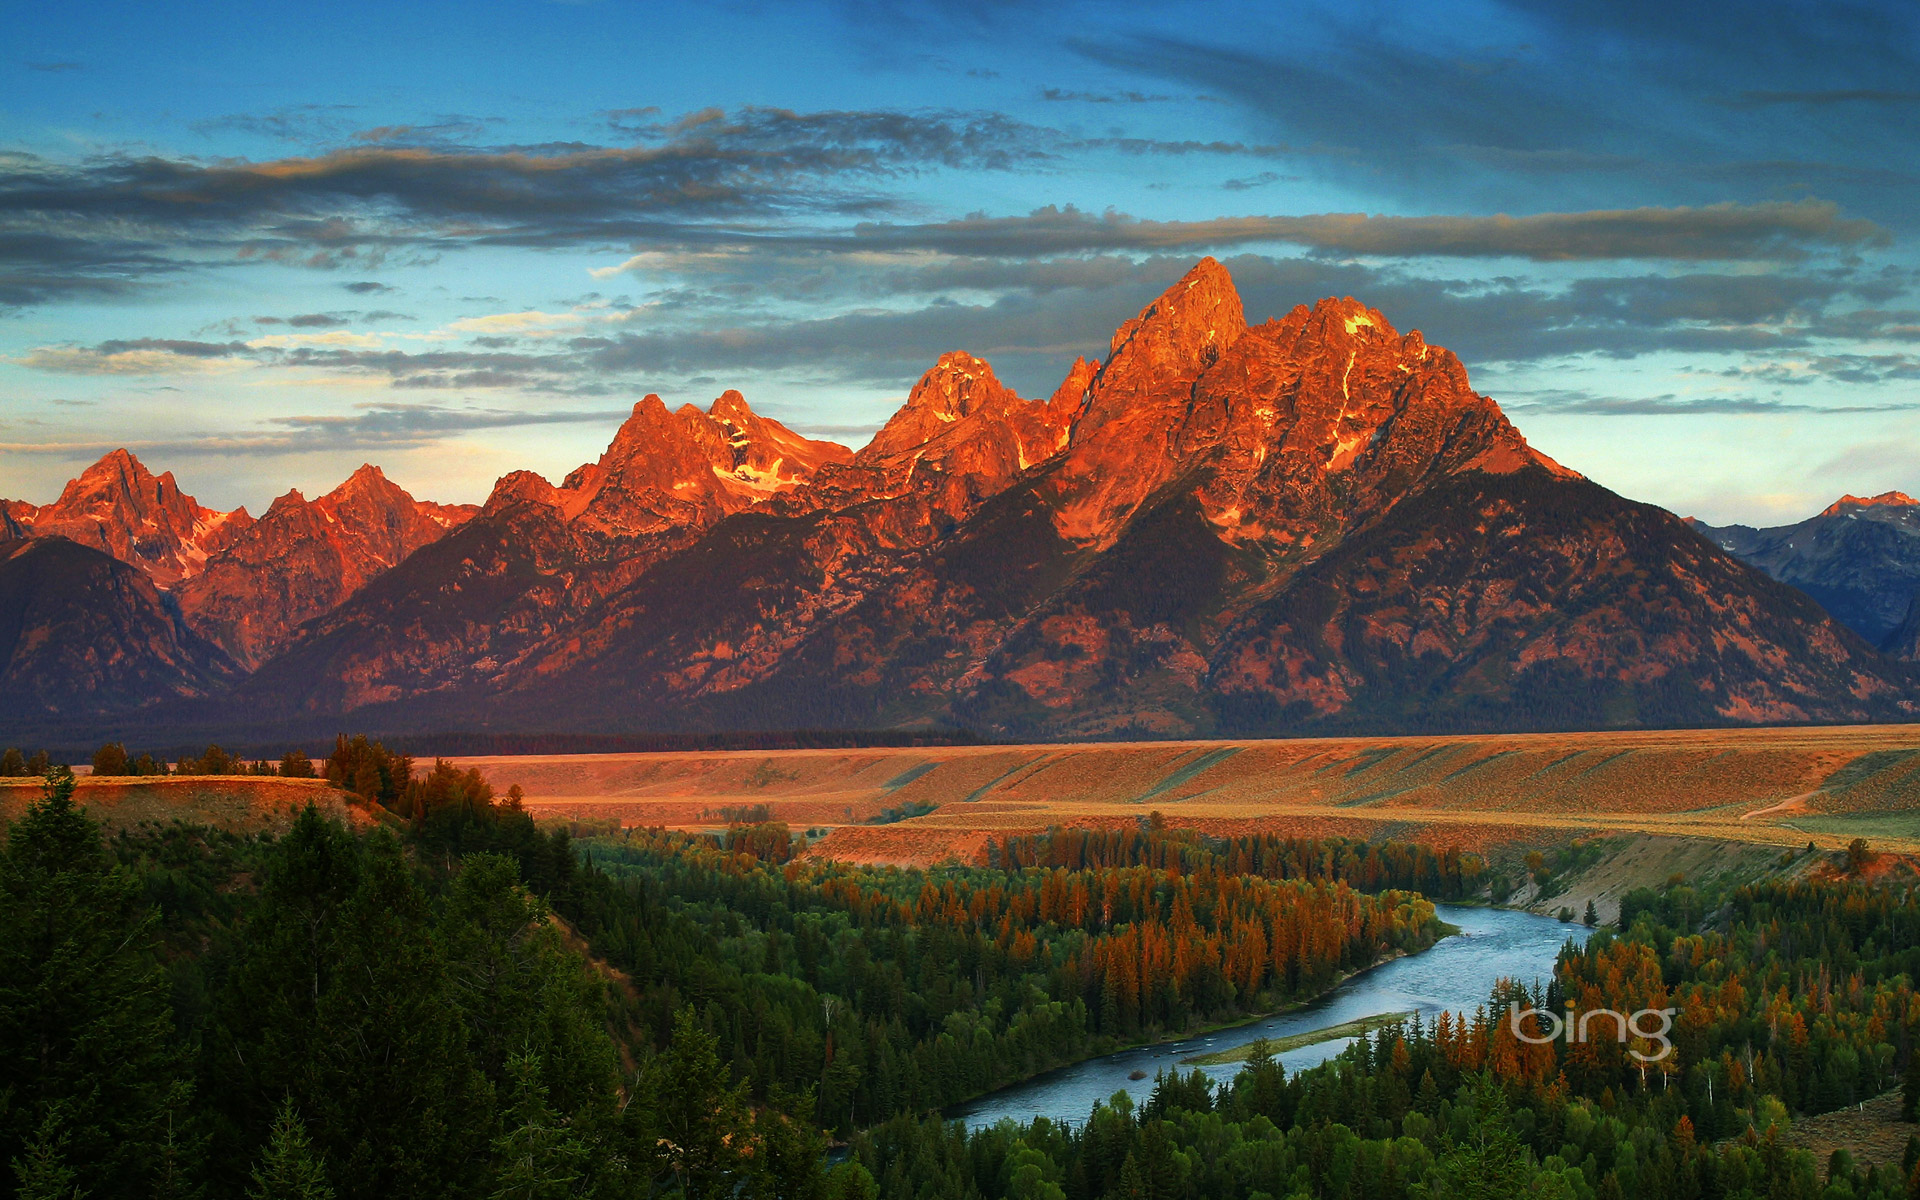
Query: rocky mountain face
x,y
229,588
1309,523
82,631
462,616
120,507
302,558
1859,557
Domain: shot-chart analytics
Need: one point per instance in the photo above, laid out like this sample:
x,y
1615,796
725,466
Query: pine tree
x,y
42,1166
110,759
13,764
85,1023
790,1148
1910,1082
699,1121
539,1156
1592,916
342,1002
1491,1162
289,1167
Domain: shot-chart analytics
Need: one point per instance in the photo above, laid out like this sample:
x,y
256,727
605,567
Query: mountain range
x,y
1859,557
1310,523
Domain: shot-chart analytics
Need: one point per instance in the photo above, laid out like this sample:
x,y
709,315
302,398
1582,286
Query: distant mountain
x,y
241,585
462,615
1859,557
302,558
120,507
1310,523
82,632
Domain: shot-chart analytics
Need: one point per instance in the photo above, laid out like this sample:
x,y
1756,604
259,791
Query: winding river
x,y
1456,975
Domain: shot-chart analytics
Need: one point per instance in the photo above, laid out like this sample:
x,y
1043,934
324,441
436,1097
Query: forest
x,y
456,1001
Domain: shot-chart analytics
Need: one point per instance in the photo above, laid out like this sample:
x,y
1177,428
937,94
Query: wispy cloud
x,y
1670,405
373,426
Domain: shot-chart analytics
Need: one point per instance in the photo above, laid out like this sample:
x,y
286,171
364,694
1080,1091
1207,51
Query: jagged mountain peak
x,y
956,388
1325,414
1184,330
1850,502
119,506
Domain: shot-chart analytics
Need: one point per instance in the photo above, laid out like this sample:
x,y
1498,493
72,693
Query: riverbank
x,y
1455,974
1206,1029
1313,1037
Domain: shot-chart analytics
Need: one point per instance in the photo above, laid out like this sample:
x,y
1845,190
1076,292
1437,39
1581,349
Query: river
x,y
1455,975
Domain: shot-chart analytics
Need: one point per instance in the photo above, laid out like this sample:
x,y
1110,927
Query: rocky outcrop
x,y
961,438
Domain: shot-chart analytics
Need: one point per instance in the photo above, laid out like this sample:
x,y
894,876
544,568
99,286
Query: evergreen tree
x,y
1910,1081
289,1167
342,1002
790,1149
13,764
85,1023
539,1156
41,1168
698,1121
110,759
1491,1162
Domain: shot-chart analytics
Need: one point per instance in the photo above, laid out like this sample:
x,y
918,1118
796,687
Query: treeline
x,y
1799,999
185,1013
902,991
1448,874
15,765
469,744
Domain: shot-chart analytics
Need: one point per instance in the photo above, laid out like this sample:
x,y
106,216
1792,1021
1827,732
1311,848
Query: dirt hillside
x,y
241,803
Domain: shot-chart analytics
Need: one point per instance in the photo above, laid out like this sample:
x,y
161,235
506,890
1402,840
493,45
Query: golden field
x,y
1765,786
241,803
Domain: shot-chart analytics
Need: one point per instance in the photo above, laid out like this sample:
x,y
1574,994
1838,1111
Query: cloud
x,y
1778,231
106,223
1781,231
137,356
1063,95
373,426
332,338
397,425
54,68
1866,369
1669,405
366,287
1542,104
1254,181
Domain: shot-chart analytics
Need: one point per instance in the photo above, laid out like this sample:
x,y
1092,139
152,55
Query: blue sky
x,y
261,244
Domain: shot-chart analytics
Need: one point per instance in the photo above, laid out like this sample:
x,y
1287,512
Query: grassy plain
x,y
1777,787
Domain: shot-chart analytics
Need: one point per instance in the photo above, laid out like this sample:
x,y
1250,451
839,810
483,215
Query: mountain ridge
x,y
1311,523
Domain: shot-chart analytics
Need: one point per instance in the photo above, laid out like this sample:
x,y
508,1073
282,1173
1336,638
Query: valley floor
x,y
1777,787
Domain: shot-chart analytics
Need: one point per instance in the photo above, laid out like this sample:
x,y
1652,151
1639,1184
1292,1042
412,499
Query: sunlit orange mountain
x,y
1312,523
